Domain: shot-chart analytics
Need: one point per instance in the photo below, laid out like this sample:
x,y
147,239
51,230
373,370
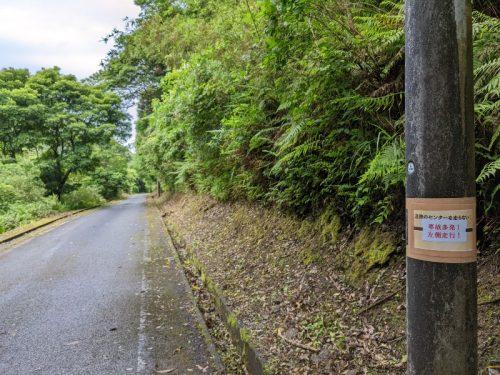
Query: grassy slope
x,y
310,283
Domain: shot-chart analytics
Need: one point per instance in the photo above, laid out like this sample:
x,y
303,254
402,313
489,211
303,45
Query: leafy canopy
x,y
298,103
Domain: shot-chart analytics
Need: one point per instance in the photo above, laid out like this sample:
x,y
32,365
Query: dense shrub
x,y
20,213
23,197
22,194
111,173
83,197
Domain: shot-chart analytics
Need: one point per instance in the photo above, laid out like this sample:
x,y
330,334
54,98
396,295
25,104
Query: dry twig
x,y
298,344
381,300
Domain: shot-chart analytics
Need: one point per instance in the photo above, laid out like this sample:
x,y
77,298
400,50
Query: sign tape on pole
x,y
441,230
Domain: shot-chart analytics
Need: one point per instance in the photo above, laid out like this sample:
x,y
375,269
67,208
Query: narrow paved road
x,y
99,294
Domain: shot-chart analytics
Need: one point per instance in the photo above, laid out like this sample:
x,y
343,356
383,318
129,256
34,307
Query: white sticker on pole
x,y
444,230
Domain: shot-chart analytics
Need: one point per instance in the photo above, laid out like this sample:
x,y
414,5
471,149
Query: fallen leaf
x,y
202,369
167,371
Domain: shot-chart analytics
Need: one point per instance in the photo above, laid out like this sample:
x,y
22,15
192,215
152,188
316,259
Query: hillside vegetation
x,y
299,104
59,145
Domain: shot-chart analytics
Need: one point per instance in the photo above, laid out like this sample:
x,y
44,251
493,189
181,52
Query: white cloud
x,y
39,33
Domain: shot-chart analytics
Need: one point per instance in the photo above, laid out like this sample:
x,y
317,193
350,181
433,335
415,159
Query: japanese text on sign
x,y
444,230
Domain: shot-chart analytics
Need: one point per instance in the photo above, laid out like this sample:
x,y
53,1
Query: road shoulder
x,y
170,310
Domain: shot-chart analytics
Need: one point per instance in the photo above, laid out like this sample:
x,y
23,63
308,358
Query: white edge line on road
x,y
142,339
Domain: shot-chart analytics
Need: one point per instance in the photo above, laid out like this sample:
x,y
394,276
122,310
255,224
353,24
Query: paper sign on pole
x,y
442,229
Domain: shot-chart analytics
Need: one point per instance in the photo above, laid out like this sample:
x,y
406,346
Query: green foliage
x,y
20,112
487,111
23,213
83,197
76,117
382,182
111,172
22,194
294,103
19,181
58,134
489,171
60,118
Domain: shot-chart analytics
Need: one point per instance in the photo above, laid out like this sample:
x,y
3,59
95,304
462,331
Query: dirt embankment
x,y
316,300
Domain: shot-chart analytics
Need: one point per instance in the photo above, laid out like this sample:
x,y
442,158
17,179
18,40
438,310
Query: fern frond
x,y
368,104
293,134
298,152
387,166
488,171
494,138
485,71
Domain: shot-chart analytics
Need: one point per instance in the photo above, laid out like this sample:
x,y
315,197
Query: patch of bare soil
x,y
289,287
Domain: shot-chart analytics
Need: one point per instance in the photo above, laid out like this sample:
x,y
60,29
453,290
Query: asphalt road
x,y
99,294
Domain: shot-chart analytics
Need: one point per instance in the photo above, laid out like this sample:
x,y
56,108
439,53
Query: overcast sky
x,y
36,34
66,33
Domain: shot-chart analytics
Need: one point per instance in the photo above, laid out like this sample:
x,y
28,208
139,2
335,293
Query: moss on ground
x,y
374,247
371,248
329,223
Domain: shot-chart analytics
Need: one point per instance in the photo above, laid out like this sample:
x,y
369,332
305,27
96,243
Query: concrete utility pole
x,y
441,228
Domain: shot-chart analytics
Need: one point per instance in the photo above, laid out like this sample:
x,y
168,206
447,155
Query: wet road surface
x,y
99,294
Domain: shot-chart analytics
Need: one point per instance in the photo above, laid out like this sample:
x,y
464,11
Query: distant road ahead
x,y
99,294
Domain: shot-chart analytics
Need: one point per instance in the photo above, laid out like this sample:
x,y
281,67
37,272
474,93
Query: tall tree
x,y
76,117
